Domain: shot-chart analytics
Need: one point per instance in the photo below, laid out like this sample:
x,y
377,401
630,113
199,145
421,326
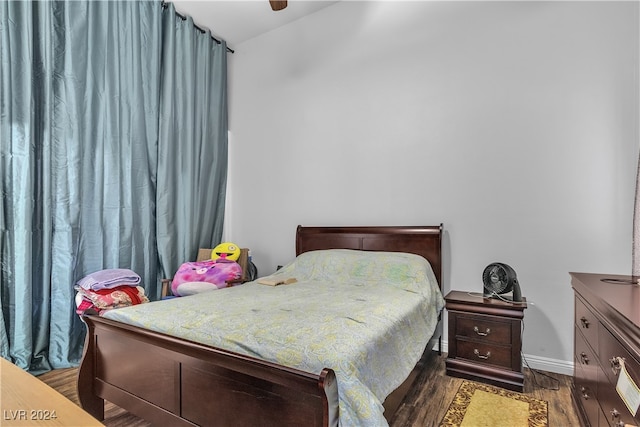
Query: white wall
x,y
513,123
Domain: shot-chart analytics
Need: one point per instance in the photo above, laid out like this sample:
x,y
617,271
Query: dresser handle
x,y
482,356
615,364
585,392
584,358
615,415
585,322
482,334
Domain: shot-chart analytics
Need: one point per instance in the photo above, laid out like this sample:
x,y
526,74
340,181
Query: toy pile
x,y
109,289
202,276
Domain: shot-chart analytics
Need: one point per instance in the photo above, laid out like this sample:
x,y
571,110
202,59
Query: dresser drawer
x,y
587,323
614,409
586,377
483,329
485,353
610,349
585,356
586,386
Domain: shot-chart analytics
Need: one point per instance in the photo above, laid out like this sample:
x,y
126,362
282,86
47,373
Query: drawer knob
x,y
585,392
585,322
481,356
482,334
584,358
615,364
614,414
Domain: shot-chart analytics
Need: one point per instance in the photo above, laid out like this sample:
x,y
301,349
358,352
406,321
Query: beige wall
x,y
514,123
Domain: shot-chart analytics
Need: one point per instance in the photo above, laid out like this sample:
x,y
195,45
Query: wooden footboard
x,y
169,381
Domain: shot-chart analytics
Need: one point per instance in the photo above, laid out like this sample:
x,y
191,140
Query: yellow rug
x,y
479,405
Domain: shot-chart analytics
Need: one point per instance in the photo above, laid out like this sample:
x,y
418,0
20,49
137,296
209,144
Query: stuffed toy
x,y
226,250
202,276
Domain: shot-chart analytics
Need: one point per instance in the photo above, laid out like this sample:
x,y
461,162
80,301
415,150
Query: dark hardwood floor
x,y
427,404
424,406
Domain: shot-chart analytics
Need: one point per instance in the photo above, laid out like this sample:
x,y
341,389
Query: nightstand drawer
x,y
482,329
485,353
485,339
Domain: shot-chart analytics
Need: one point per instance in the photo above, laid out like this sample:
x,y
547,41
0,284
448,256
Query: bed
x,y
171,380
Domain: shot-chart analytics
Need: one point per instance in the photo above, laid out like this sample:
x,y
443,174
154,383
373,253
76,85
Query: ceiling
x,y
240,20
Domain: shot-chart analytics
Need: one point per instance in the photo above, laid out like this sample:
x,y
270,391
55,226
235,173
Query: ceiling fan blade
x,y
277,5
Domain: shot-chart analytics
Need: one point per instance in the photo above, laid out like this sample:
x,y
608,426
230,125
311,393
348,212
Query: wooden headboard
x,y
425,241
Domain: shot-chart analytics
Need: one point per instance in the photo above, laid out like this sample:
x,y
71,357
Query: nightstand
x,y
485,339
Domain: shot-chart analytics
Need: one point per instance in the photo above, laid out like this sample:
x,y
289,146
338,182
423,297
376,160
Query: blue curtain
x,y
83,162
192,150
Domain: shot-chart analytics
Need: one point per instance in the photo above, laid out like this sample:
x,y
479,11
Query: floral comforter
x,y
366,315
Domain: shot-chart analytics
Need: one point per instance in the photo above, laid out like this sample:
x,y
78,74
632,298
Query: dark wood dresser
x,y
606,328
485,339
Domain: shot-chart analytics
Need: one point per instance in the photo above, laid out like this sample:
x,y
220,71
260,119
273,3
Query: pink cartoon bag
x,y
202,276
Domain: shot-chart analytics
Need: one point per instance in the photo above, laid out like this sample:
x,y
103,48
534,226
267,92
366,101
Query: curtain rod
x,y
202,30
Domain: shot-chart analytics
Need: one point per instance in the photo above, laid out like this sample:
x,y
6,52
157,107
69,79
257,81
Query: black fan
x,y
499,279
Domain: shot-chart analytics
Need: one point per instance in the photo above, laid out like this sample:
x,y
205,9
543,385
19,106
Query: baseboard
x,y
557,366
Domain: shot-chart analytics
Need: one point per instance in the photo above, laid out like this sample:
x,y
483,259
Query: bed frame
x,y
172,381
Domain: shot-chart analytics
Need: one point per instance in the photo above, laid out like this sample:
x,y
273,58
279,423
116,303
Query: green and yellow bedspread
x,y
366,315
